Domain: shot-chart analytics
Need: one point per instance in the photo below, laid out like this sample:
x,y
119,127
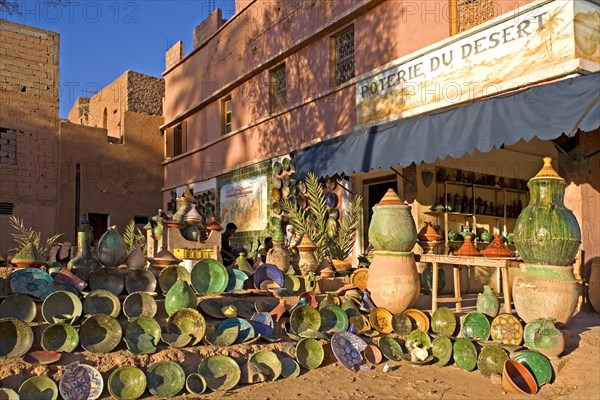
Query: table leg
x,y
506,290
457,287
434,287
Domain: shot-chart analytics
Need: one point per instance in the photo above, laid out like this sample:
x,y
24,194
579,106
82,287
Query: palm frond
x,y
25,235
133,236
340,246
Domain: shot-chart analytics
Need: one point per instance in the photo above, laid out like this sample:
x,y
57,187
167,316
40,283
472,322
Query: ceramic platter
x,y
347,348
31,281
165,379
381,320
418,319
507,329
80,382
476,326
220,372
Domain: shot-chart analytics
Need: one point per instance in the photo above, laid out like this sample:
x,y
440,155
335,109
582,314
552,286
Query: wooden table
x,y
457,263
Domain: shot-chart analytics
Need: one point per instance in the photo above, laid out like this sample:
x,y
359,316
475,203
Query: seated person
x,y
226,250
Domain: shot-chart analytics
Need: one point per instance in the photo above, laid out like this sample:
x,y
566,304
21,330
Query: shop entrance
x,y
374,190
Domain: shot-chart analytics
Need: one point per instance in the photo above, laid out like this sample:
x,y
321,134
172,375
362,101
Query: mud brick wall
x,y
144,93
174,55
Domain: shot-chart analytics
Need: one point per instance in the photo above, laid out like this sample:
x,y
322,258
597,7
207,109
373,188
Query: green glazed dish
x,y
441,349
390,348
195,384
310,353
269,363
491,360
17,338
102,301
179,296
100,334
38,388
19,306
107,278
209,276
465,354
333,319
189,322
476,326
139,304
220,372
62,338
127,383
443,321
62,306
142,335
8,394
401,324
289,368
165,379
172,274
305,318
418,338
537,363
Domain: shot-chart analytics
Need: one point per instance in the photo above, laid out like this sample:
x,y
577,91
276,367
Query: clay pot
x,y
468,249
516,378
547,232
548,340
112,250
182,209
487,302
307,262
427,233
393,280
594,287
136,259
392,226
83,264
497,249
279,256
541,291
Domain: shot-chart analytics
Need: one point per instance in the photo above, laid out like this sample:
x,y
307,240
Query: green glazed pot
x,y
486,237
127,383
542,335
181,295
487,302
392,226
546,231
83,264
112,250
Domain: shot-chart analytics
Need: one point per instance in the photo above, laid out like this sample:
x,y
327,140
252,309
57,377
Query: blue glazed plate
x,y
236,280
80,382
31,281
262,322
244,329
347,348
268,272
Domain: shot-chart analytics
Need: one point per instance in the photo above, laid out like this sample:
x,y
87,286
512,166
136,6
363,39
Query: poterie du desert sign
x,y
245,203
531,44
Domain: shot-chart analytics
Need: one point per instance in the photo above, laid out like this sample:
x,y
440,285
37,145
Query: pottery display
x,y
28,257
62,307
100,334
390,348
112,249
38,388
195,384
518,379
307,262
181,295
19,306
140,280
107,278
142,335
209,276
441,349
83,264
219,372
507,329
268,364
487,302
497,249
136,259
536,363
381,320
168,276
392,226
465,354
443,321
31,281
165,379
101,302
310,353
127,383
347,348
491,360
80,381
418,319
333,319
17,338
476,326
139,304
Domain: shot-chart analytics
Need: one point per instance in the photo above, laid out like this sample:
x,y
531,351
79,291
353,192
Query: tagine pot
x,y
428,233
83,264
136,259
546,232
307,262
392,226
393,280
112,250
545,291
487,302
279,256
548,340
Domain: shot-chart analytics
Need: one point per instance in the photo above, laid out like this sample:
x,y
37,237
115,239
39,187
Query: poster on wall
x,y
245,204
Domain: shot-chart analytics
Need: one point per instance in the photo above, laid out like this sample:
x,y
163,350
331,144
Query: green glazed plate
x,y
441,349
127,383
491,360
102,301
139,304
8,394
165,379
38,388
62,338
209,276
537,364
310,353
305,318
333,319
172,274
19,306
100,334
289,368
268,362
220,372
465,354
418,338
390,348
476,326
188,321
16,338
401,324
142,335
443,321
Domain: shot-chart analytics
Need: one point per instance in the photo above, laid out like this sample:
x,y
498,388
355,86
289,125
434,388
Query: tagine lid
x,y
166,255
306,244
497,249
214,225
547,171
468,249
188,197
390,199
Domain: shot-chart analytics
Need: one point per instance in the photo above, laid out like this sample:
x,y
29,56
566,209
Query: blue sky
x,y
99,40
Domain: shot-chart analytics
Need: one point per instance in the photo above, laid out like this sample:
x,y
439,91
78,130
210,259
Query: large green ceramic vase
x,y
393,278
112,249
547,237
83,264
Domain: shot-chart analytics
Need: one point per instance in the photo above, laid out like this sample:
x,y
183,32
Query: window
x,y
343,56
99,224
137,220
470,13
226,115
105,118
176,140
8,146
6,208
278,89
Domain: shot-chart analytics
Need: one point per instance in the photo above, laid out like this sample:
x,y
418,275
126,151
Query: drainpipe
x,y
77,195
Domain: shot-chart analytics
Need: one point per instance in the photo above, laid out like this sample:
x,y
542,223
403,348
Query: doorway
x,y
99,224
374,190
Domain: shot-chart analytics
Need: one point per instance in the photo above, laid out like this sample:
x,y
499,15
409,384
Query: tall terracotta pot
x,y
307,261
541,291
279,256
83,264
393,280
594,287
392,226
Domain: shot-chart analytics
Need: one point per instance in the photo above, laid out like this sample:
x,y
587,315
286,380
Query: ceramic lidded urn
x,y
112,250
392,226
83,264
136,259
546,231
487,302
307,262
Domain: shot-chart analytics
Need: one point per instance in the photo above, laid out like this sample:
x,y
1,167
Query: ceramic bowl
x,y
188,322
333,319
262,323
107,278
418,319
268,363
221,336
62,338
267,272
209,276
507,329
443,321
31,281
172,274
212,308
195,384
372,354
17,338
491,360
38,388
181,295
401,324
142,335
19,306
139,304
236,280
289,367
381,320
100,334
310,353
390,348
8,394
245,309
417,338
476,326
266,304
347,348
305,318
140,280
537,363
219,372
80,381
465,354
127,383
293,284
101,302
165,379
61,307
518,379
243,329
441,349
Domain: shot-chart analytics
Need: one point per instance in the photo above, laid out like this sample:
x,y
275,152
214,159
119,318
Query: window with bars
x,y
470,13
226,115
8,146
344,56
6,208
278,89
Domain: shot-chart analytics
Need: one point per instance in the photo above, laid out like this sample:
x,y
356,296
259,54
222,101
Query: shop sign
x,y
245,203
532,44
